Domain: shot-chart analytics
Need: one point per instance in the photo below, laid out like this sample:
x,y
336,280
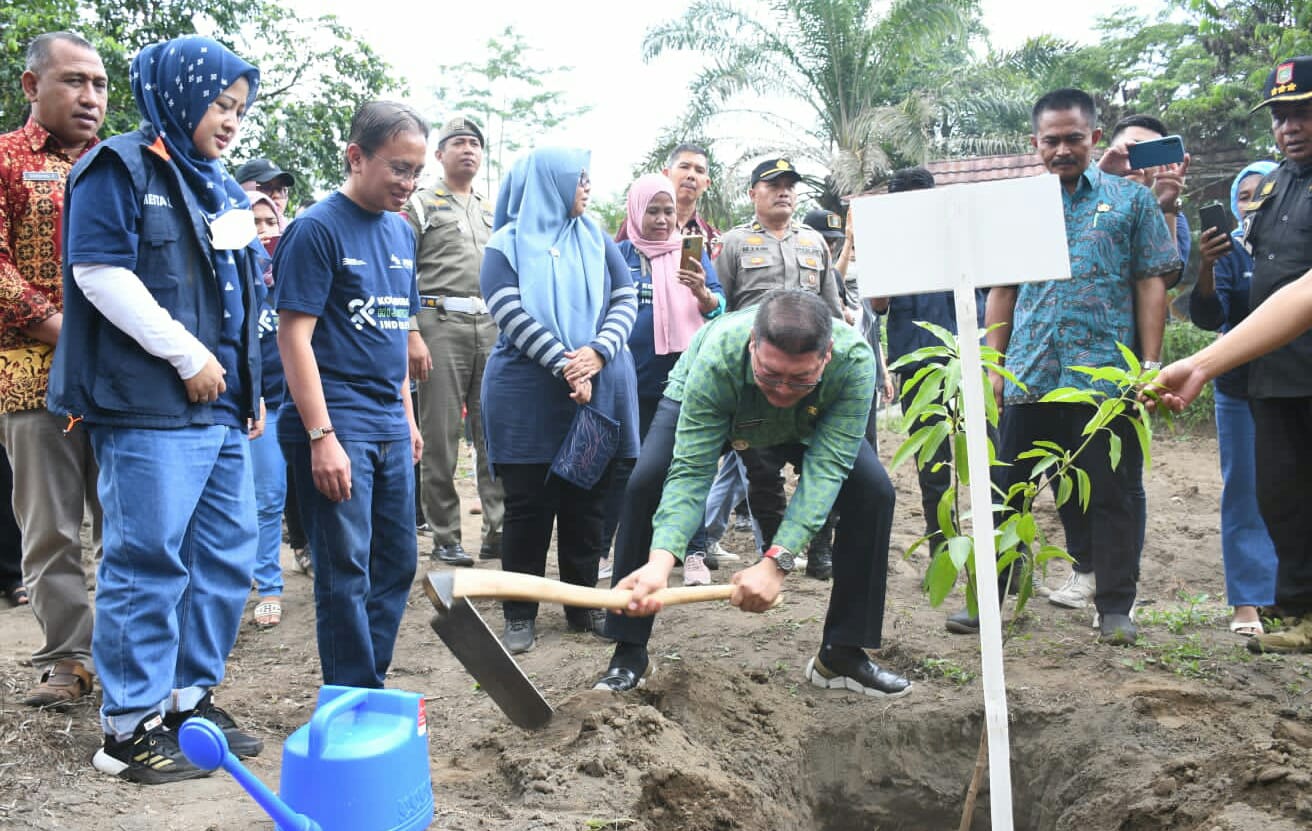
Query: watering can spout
x,y
205,745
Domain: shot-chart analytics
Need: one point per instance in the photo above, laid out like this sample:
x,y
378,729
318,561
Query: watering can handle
x,y
345,702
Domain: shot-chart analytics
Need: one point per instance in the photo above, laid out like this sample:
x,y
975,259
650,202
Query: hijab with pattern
x,y
676,316
560,260
173,84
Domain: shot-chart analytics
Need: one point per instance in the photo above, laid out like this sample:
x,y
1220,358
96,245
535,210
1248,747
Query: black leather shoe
x,y
709,558
961,623
1117,630
820,563
490,549
518,636
622,679
863,676
590,620
452,555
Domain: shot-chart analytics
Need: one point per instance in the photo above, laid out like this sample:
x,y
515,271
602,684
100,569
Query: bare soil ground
x,y
1185,732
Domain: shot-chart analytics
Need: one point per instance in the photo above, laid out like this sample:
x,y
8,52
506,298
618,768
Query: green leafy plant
x,y
936,418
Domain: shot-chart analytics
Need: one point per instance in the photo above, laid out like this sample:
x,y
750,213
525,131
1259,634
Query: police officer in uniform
x,y
1278,233
452,224
774,251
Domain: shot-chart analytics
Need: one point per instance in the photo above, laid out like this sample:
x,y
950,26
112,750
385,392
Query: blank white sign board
x,y
959,238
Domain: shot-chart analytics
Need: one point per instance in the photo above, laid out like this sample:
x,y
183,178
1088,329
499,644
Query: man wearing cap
x,y
773,251
452,224
267,178
1278,233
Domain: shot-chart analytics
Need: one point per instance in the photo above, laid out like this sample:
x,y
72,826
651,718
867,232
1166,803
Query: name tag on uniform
x,y
40,176
749,423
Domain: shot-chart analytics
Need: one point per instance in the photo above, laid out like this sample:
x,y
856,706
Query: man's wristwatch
x,y
316,433
1151,364
782,557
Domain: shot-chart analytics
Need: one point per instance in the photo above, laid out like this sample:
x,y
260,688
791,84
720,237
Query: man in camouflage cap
x,y
452,224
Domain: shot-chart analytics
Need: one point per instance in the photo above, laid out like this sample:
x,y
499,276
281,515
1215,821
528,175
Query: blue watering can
x,y
361,764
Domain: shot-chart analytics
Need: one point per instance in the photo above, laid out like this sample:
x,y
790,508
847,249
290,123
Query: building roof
x,y
985,168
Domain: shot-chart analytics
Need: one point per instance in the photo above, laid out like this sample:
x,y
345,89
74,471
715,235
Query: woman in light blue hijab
x,y
562,298
1220,301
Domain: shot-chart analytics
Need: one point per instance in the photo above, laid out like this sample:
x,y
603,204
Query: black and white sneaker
x,y
242,745
861,674
151,757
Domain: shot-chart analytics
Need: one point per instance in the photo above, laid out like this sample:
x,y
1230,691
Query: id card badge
x,y
233,230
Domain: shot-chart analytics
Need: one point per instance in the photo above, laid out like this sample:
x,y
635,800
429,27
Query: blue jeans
x,y
727,490
179,546
1246,547
270,496
365,553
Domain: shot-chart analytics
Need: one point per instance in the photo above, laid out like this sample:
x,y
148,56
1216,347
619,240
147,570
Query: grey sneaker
x,y
518,636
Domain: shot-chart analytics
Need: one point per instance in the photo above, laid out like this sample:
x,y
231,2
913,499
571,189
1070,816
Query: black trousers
x,y
1105,538
535,501
933,483
11,539
865,508
1284,472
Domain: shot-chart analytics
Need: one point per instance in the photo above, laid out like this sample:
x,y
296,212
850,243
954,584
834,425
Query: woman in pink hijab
x,y
673,303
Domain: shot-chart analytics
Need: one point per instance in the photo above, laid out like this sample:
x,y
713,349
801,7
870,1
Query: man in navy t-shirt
x,y
345,293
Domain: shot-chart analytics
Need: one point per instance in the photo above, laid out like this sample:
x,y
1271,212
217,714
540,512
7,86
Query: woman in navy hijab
x,y
561,296
159,360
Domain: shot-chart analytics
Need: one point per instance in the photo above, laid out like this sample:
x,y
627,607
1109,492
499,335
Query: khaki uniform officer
x,y
773,251
452,224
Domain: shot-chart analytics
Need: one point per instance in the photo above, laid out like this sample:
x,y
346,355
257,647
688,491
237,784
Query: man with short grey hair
x,y
54,473
452,224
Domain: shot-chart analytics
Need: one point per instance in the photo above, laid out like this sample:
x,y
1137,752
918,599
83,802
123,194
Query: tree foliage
x,y
514,100
314,72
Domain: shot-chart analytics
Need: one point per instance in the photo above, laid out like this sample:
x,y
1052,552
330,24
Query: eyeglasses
x,y
404,172
273,190
775,382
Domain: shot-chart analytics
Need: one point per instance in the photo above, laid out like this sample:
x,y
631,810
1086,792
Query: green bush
x,y
1181,340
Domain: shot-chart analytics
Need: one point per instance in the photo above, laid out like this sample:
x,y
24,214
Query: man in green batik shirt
x,y
779,376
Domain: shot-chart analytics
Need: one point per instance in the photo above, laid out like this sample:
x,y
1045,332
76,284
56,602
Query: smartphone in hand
x,y
1215,215
692,251
271,243
1155,153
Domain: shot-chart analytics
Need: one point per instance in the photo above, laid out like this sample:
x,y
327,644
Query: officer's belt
x,y
464,305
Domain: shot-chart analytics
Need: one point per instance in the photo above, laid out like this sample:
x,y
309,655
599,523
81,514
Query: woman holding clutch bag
x,y
562,299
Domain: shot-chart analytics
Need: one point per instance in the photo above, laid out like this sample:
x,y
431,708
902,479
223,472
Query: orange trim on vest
x,y
159,149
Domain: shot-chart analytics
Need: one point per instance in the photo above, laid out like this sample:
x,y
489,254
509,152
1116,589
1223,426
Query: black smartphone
x,y
692,251
1155,153
1215,215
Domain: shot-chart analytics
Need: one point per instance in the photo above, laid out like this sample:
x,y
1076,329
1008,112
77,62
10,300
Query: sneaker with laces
x,y
695,572
724,555
242,745
519,635
1077,593
150,757
605,569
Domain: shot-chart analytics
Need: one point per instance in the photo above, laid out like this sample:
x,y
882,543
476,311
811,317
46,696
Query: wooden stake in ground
x,y
961,238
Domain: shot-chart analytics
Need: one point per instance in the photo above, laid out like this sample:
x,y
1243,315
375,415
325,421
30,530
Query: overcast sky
x,y
602,40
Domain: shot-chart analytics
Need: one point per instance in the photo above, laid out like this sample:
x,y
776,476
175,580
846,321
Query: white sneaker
x,y
1077,593
604,570
695,572
722,555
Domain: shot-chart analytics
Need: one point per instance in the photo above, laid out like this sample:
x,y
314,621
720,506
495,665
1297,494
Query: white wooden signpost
x,y
959,238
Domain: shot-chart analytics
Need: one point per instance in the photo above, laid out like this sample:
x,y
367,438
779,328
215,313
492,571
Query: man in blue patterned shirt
x,y
1121,255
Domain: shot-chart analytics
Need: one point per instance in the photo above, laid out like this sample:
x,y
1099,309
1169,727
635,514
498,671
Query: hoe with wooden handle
x,y
467,635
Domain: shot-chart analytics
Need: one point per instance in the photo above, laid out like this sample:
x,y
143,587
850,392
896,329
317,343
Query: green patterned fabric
x,y
721,404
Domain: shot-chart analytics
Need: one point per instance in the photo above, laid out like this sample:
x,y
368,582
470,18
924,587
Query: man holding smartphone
x,y
1278,233
1120,251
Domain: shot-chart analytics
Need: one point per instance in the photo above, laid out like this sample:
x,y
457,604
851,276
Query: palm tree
x,y
849,64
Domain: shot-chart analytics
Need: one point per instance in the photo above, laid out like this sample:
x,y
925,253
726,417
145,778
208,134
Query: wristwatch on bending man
x,y
782,557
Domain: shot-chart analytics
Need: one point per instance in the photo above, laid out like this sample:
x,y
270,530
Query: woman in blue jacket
x,y
562,299
159,359
1220,301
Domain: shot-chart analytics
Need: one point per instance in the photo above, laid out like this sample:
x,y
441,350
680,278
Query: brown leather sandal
x,y
61,685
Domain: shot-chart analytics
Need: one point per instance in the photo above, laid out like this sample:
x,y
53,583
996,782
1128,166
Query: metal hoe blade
x,y
482,654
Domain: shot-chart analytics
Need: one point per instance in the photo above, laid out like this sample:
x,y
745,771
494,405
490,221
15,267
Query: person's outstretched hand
x,y
1177,385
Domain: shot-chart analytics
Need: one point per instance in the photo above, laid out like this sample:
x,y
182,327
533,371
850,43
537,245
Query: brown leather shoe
x,y
62,684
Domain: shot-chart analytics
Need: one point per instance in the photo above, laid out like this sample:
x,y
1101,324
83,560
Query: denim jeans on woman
x,y
1246,547
179,547
270,497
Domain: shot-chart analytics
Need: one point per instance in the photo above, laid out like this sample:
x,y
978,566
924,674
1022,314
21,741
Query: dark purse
x,y
589,446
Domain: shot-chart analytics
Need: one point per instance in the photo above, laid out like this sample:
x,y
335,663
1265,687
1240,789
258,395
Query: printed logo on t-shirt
x,y
385,312
348,262
268,322
400,262
156,200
